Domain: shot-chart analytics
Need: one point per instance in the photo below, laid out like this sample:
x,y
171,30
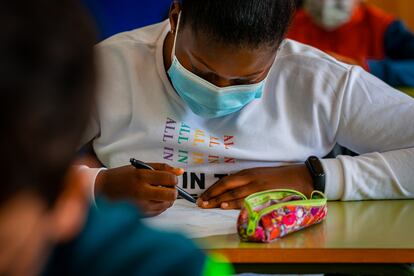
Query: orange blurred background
x,y
403,9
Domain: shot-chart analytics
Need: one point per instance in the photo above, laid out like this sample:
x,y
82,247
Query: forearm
x,y
91,168
376,121
385,175
91,175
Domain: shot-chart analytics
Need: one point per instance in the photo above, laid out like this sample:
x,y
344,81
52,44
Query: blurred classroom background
x,y
113,17
402,9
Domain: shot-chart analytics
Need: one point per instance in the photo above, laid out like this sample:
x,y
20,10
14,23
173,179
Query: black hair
x,y
46,92
240,23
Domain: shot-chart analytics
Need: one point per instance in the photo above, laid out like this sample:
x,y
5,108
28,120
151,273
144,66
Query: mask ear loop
x,y
175,37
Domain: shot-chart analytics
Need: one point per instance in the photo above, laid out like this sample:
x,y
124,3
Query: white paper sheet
x,y
194,222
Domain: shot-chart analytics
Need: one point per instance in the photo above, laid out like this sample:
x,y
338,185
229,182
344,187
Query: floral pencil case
x,y
269,215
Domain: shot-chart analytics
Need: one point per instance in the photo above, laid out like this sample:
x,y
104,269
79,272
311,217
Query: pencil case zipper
x,y
254,216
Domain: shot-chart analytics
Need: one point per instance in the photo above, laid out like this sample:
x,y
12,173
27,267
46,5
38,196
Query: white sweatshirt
x,y
310,102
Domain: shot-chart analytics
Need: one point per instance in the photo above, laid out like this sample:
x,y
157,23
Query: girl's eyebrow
x,y
213,72
201,61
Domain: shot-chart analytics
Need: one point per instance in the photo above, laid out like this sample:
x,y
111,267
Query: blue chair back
x,y
115,16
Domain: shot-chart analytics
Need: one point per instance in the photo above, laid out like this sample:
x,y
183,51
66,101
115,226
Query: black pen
x,y
141,165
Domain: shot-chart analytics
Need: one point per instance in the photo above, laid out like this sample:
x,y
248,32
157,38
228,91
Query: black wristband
x,y
317,173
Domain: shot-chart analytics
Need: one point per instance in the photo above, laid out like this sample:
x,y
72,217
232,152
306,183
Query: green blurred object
x,y
408,91
217,264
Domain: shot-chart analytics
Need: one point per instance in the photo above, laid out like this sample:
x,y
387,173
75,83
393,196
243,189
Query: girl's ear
x,y
175,10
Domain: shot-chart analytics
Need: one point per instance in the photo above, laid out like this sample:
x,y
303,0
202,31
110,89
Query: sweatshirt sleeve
x,y
92,130
397,69
376,121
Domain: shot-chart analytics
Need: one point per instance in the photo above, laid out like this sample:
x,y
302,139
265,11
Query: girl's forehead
x,y
204,49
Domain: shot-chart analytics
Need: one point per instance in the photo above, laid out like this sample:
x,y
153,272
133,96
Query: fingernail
x,y
179,171
205,203
224,205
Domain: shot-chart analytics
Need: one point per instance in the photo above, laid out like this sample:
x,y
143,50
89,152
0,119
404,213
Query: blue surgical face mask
x,y
206,99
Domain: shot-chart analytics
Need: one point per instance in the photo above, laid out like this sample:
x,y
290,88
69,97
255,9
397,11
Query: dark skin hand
x,y
152,191
229,192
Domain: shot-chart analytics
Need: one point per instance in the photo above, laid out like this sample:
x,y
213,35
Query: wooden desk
x,y
364,232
